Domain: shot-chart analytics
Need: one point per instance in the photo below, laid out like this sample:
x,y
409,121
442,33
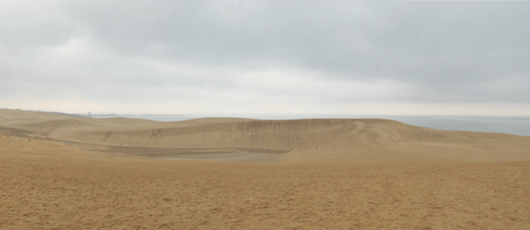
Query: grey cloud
x,y
26,24
445,51
418,41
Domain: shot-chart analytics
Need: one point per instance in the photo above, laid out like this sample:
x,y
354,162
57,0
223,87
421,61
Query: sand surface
x,y
59,172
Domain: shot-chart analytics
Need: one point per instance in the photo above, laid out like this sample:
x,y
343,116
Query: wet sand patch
x,y
220,154
233,156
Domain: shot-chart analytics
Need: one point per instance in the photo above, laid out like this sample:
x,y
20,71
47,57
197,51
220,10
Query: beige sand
x,y
60,172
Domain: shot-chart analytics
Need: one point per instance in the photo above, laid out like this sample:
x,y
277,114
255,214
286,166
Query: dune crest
x,y
345,140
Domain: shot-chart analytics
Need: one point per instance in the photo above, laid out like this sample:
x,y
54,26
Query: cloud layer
x,y
264,56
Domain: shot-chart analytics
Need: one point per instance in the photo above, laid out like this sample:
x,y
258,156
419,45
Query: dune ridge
x,y
351,140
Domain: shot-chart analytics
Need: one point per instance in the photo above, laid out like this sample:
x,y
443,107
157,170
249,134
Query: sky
x,y
266,57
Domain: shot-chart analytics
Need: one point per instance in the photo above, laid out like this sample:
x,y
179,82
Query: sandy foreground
x,y
59,172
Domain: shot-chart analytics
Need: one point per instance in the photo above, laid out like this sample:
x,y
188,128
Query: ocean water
x,y
510,125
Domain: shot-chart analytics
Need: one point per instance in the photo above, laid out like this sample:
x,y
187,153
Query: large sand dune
x,y
61,172
352,140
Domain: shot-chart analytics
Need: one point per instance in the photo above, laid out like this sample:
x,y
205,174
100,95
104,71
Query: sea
x,y
511,125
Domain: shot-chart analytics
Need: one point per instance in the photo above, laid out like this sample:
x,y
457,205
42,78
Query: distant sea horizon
x,y
510,125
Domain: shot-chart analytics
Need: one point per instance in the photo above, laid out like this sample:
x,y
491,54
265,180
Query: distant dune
x,y
342,140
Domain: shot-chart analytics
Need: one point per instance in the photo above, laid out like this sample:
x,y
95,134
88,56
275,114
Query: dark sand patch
x,y
223,154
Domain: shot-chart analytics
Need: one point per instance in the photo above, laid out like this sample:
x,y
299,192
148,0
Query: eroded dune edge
x,y
60,172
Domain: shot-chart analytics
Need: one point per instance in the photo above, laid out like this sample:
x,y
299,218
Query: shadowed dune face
x,y
14,132
251,134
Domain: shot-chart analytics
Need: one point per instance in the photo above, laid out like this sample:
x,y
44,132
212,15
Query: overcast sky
x,y
272,57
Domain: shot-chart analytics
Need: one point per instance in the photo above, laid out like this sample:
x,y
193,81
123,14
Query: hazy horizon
x,y
250,115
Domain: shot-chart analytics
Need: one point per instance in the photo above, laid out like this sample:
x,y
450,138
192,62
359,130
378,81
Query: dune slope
x,y
49,185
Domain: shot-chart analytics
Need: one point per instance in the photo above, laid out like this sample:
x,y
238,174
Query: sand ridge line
x,y
350,140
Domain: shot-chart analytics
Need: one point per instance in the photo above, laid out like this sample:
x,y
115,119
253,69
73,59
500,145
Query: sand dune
x,y
353,140
60,172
